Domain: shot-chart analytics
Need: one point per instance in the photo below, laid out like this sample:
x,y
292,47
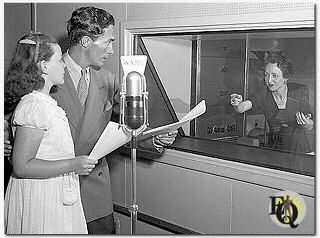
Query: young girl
x,y
43,194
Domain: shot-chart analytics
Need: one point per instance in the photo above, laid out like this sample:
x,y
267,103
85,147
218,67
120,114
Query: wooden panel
x,y
250,212
183,189
192,199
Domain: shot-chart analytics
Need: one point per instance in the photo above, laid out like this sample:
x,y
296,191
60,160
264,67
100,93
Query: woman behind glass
x,y
43,194
285,106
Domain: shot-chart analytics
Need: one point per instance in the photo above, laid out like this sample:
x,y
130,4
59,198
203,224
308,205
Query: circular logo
x,y
287,209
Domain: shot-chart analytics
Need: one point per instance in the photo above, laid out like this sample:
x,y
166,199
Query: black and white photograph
x,y
159,117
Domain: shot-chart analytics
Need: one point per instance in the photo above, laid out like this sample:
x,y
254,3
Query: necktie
x,y
82,88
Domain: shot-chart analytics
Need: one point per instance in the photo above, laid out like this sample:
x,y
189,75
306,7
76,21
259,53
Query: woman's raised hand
x,y
236,99
304,120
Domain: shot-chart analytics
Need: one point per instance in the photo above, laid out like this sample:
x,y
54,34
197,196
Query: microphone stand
x,y
134,145
134,207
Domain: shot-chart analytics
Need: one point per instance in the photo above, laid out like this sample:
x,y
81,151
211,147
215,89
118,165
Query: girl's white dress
x,y
45,206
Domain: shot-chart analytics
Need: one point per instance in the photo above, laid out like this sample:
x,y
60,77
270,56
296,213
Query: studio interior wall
x,y
17,22
52,17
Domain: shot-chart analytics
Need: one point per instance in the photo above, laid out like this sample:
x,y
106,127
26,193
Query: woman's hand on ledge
x,y
304,120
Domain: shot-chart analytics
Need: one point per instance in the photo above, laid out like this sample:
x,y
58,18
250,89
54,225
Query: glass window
x,y
184,69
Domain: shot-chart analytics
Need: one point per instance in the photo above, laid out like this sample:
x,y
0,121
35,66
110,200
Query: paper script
x,y
194,113
111,139
114,136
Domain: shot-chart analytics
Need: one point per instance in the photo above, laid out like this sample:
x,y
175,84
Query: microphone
x,y
133,95
134,105
133,115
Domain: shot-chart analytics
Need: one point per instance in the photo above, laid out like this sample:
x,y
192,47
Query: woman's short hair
x,y
88,21
282,62
24,75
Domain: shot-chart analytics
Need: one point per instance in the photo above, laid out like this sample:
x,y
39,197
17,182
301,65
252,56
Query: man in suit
x,y
90,98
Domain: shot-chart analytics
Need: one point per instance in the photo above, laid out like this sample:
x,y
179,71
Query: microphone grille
x,y
134,84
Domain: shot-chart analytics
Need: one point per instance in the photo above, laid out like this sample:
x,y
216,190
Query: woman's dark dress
x,y
285,133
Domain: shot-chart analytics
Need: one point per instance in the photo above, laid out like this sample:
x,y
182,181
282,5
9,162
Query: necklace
x,y
281,102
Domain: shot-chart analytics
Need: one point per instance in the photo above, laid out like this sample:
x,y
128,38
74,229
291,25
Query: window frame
x,y
129,30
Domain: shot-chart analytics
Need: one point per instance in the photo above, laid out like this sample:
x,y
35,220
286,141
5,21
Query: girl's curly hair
x,y
24,75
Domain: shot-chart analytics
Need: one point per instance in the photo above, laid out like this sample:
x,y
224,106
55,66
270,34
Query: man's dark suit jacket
x,y
86,126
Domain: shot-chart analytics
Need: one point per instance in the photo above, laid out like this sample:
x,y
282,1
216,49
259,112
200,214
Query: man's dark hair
x,y
88,21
